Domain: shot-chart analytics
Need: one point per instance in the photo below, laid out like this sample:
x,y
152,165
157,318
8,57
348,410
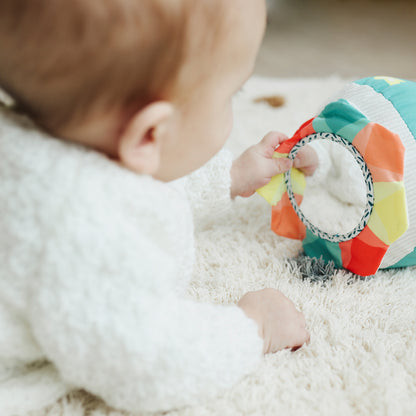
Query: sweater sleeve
x,y
104,309
208,188
139,350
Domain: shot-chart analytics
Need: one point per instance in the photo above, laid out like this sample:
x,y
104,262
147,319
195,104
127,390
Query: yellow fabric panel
x,y
389,218
273,191
298,181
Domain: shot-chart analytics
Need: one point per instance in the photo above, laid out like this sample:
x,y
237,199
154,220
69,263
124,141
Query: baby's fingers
x,y
306,160
303,337
273,167
279,165
272,140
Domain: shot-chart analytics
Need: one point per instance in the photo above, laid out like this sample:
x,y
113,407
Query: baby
x,y
127,99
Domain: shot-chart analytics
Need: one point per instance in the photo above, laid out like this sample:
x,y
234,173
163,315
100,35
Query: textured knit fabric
x,y
95,263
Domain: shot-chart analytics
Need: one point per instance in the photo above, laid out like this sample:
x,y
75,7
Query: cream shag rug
x,y
362,356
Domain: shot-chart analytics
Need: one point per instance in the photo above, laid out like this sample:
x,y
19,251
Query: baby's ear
x,y
140,142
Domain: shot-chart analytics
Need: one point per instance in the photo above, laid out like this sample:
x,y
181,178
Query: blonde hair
x,y
58,57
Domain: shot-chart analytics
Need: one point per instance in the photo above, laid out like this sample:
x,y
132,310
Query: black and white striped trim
x,y
335,238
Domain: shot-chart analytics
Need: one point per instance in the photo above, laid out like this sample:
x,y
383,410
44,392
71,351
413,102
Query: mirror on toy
x,y
335,196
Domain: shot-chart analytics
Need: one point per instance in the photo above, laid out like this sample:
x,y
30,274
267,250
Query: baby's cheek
x,y
221,132
229,120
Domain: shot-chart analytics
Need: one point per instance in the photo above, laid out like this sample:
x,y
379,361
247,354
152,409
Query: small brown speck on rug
x,y
271,100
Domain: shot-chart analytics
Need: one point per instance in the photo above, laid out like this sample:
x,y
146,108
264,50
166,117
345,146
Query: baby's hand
x,y
256,166
280,324
306,160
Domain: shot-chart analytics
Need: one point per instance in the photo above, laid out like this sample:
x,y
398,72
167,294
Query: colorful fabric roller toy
x,y
375,119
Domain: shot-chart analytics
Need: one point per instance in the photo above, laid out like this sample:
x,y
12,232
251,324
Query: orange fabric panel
x,y
285,222
383,151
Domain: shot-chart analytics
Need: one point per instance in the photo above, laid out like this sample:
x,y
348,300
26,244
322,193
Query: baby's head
x,y
148,82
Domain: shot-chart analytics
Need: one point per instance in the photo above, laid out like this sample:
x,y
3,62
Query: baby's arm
x,y
104,309
126,339
146,351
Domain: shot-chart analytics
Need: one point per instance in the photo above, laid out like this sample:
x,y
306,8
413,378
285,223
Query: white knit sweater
x,y
95,261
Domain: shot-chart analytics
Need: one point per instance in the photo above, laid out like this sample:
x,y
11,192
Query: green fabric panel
x,y
409,260
340,117
402,95
319,125
317,247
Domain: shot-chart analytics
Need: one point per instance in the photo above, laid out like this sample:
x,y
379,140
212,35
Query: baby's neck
x,y
99,132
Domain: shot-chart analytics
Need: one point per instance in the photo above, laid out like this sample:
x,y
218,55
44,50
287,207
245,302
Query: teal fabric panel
x,y
409,260
317,247
340,117
401,94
